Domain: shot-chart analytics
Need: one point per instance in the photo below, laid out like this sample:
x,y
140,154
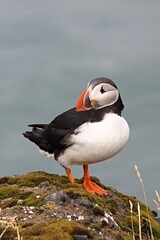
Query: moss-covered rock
x,y
34,178
59,230
9,191
29,202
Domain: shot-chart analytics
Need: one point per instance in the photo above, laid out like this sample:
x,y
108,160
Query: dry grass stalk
x,y
157,194
157,202
131,211
145,198
139,221
10,223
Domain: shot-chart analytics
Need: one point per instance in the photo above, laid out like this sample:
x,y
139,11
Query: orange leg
x,y
69,174
91,186
70,177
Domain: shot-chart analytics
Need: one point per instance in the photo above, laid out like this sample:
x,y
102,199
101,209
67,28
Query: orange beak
x,y
83,103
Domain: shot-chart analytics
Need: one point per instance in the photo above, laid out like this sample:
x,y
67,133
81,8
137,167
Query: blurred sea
x,y
50,50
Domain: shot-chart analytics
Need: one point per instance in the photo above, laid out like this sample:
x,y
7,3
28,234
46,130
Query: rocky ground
x,y
41,206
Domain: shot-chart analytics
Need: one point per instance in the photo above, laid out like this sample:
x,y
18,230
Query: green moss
x,y
95,226
156,229
72,227
32,200
9,191
11,194
44,232
9,202
4,180
31,179
49,205
111,233
113,202
98,210
9,234
118,220
129,224
146,220
59,230
112,205
118,236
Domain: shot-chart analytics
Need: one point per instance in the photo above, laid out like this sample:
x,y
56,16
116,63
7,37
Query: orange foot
x,y
91,186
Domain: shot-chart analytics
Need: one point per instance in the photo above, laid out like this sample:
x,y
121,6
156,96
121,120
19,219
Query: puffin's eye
x,y
102,90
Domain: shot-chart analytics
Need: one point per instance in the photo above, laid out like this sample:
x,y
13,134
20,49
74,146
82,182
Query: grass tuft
x,y
10,223
145,198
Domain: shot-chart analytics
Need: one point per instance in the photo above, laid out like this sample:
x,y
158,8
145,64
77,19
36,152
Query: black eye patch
x,y
102,90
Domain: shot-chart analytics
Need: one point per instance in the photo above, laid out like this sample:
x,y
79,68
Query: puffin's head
x,y
100,93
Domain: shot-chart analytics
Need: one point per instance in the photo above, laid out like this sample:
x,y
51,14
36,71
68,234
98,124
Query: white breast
x,y
97,141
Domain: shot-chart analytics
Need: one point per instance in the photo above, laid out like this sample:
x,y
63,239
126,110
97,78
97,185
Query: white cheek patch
x,y
104,99
103,95
108,98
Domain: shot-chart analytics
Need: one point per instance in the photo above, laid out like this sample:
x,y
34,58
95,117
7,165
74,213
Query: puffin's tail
x,y
37,134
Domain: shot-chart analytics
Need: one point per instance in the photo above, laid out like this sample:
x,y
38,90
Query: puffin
x,y
91,132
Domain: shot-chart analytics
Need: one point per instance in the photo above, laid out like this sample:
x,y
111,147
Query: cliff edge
x,y
42,206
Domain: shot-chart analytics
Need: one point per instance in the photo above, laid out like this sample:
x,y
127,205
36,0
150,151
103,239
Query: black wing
x,y
55,137
71,119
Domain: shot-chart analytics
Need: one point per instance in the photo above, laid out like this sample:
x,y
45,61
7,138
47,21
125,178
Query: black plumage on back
x,y
54,137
